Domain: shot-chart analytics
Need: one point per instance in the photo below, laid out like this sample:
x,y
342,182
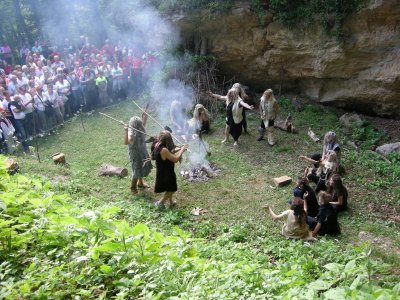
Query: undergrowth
x,y
50,248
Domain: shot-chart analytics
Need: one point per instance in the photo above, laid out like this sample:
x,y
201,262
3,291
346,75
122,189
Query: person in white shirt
x,y
8,131
17,108
27,102
63,88
52,97
40,106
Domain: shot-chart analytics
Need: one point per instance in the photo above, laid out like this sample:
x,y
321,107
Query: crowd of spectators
x,y
48,84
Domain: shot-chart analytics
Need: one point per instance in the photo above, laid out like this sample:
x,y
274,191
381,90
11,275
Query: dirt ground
x,y
390,126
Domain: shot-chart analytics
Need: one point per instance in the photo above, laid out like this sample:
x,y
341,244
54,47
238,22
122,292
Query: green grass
x,y
234,198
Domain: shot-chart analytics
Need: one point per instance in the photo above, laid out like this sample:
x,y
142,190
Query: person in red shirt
x,y
137,72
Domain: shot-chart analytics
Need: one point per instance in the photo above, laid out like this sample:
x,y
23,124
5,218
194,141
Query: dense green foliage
x,y
330,13
213,6
52,249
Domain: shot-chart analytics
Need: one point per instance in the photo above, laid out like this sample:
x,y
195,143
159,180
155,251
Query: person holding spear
x,y
138,155
163,152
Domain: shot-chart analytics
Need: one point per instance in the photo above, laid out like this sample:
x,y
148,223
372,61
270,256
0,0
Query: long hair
x,y
196,114
336,187
164,140
268,95
298,207
240,89
330,137
232,95
136,123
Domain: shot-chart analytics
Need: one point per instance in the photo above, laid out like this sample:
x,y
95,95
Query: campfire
x,y
200,172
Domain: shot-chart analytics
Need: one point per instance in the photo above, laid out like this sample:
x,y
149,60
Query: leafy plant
x,y
331,13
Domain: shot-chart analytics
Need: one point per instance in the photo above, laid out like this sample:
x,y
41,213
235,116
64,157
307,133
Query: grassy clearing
x,y
234,198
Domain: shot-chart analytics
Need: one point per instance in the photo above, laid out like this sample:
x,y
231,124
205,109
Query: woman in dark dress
x,y
162,152
234,116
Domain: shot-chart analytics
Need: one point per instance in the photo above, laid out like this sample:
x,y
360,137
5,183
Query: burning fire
x,y
200,172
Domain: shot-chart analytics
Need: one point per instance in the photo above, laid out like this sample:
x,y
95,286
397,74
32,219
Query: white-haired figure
x,y
244,97
269,110
200,123
138,155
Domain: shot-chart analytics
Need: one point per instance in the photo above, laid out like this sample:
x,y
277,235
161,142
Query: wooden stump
x,y
283,180
59,158
11,166
109,170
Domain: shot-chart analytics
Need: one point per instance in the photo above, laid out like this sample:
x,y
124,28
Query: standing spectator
x,y
7,54
8,131
23,53
27,102
57,64
40,106
118,85
76,88
137,63
17,109
36,47
54,117
63,89
101,83
12,86
89,88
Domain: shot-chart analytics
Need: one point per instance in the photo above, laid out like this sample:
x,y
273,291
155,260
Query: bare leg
x,y
134,186
226,134
167,197
141,183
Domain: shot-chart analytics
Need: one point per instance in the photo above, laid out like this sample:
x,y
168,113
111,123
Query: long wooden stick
x,y
173,136
122,123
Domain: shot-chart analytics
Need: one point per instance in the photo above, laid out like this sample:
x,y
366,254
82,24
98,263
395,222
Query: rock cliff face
x,y
362,74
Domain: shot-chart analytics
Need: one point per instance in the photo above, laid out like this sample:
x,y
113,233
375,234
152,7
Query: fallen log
x,y
109,170
312,135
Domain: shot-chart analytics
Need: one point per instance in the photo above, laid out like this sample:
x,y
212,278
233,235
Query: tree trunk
x,y
21,25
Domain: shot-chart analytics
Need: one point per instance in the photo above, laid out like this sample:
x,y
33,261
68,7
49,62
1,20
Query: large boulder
x,y
361,74
350,120
388,148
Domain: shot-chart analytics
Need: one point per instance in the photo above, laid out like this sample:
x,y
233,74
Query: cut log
x,y
283,180
286,127
59,158
312,135
109,170
11,166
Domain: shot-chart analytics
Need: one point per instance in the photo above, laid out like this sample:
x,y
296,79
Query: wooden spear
x,y
173,136
122,123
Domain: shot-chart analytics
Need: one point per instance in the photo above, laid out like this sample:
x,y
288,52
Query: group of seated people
x,y
51,86
313,211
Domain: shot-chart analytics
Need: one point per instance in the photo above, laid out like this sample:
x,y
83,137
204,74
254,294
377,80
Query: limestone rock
x,y
388,148
360,74
349,120
283,180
